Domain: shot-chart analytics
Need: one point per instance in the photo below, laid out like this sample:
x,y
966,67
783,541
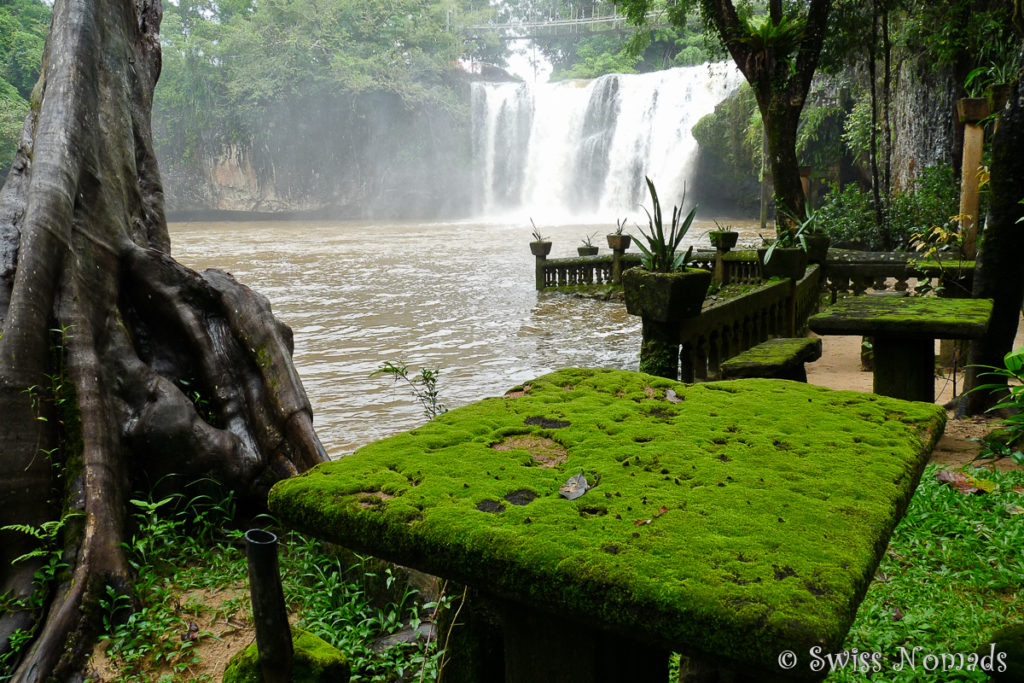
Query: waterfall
x,y
582,148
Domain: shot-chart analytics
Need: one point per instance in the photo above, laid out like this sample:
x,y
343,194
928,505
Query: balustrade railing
x,y
723,330
739,266
859,272
582,271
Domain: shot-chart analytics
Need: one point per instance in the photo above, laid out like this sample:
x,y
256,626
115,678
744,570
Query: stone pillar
x,y
971,111
539,272
659,349
617,255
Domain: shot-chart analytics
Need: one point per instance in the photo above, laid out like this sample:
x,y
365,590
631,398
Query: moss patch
x,y
772,356
735,518
314,661
908,316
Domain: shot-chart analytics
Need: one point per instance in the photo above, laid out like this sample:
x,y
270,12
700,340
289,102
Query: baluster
x,y
715,354
700,367
901,283
686,362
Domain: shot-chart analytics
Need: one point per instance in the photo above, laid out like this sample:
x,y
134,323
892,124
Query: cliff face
x,y
924,122
360,157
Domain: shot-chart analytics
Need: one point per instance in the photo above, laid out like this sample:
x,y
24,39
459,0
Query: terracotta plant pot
x,y
817,248
724,239
587,251
619,242
540,248
665,297
788,262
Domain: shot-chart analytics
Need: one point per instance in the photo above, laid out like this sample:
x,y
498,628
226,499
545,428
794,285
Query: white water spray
x,y
582,148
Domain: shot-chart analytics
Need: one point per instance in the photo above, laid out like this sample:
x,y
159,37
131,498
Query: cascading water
x,y
582,148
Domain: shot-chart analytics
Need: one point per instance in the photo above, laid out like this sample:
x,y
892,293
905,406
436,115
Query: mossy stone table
x,y
903,332
731,521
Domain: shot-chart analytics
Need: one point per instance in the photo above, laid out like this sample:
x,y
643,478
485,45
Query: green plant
x,y
1007,440
537,237
790,237
49,551
620,225
659,254
983,78
423,385
952,574
588,241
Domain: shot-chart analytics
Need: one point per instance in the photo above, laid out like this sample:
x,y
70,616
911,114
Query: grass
x,y
952,575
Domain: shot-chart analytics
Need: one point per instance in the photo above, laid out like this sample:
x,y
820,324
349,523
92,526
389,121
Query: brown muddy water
x,y
455,296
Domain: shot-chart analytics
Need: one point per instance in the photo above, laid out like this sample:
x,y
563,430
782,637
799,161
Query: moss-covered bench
x,y
729,520
778,358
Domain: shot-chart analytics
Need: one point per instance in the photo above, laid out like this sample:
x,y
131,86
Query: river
x,y
458,296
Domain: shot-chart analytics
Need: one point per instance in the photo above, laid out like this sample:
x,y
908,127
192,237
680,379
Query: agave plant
x,y
659,254
794,237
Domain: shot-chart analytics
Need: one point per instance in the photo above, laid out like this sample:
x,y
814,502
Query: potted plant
x,y
788,254
814,242
540,246
617,241
723,239
662,288
587,248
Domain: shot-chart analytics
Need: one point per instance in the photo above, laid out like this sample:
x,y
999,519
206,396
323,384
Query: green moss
x,y
773,356
314,661
736,518
909,316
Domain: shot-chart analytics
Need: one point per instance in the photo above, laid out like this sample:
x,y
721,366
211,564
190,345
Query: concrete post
x,y
971,111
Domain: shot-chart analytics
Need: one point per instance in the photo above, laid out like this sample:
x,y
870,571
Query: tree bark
x,y
102,329
998,274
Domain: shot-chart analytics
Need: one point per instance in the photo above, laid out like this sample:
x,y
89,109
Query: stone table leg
x,y
541,647
905,368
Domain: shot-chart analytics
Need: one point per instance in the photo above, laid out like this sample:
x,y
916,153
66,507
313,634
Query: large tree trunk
x,y
102,329
998,274
780,76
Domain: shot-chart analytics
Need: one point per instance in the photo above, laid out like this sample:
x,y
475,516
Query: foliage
x,y
23,28
659,254
849,219
187,547
1007,441
951,576
791,237
536,234
733,134
423,385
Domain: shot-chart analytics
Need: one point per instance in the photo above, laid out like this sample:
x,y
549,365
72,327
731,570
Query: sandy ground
x,y
840,368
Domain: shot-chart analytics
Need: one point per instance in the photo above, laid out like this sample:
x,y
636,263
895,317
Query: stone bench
x,y
729,521
779,358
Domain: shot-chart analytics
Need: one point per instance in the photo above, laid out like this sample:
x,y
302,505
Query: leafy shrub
x,y
848,216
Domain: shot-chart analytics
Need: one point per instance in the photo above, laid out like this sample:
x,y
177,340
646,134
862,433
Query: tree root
x,y
154,370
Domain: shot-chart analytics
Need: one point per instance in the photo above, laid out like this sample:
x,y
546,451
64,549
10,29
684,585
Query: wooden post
x,y
971,111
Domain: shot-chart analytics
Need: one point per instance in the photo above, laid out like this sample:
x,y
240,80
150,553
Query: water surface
x,y
455,296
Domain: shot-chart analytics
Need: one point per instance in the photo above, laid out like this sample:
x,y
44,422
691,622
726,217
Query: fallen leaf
x,y
662,510
575,487
965,483
641,522
1015,509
